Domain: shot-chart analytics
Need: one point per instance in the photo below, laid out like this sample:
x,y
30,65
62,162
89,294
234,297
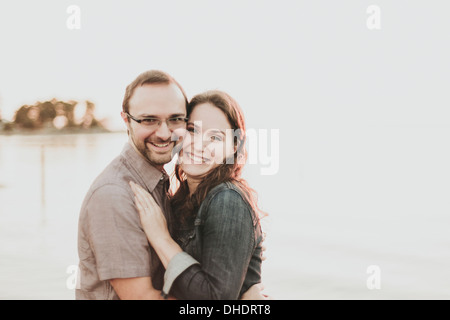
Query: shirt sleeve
x,y
227,247
119,243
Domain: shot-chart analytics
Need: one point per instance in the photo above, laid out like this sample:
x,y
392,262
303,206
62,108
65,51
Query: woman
x,y
215,252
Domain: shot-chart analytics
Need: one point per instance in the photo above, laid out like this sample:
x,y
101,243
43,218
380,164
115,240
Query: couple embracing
x,y
138,239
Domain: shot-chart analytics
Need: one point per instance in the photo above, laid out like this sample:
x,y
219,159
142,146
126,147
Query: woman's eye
x,y
216,138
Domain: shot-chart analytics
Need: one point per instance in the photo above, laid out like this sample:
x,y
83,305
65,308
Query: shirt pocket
x,y
185,236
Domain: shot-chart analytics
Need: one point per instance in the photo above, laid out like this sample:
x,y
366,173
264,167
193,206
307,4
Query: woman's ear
x,y
239,151
237,144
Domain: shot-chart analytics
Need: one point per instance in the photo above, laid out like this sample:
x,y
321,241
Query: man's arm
x,y
122,252
135,289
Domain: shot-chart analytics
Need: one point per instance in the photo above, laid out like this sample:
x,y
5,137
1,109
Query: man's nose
x,y
163,132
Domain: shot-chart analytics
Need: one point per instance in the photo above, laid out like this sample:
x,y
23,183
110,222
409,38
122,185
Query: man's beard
x,y
151,156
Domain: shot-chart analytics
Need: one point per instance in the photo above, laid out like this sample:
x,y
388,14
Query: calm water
x,y
324,230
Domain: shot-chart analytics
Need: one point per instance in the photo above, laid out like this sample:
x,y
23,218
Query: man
x,y
116,260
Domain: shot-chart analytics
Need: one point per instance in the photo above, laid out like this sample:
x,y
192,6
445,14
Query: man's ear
x,y
124,117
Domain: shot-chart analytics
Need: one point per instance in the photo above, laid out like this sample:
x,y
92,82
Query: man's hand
x,y
255,293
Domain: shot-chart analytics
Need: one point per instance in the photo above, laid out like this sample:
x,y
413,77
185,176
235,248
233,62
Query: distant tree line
x,y
53,115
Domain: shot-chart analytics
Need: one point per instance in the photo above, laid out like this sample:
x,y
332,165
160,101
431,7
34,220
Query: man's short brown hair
x,y
149,77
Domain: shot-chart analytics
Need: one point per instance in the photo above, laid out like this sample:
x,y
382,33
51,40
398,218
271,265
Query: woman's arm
x,y
227,247
228,241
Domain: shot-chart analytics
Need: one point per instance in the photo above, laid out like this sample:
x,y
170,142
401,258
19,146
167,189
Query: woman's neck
x,y
192,184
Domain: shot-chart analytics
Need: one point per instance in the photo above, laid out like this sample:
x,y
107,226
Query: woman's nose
x,y
198,144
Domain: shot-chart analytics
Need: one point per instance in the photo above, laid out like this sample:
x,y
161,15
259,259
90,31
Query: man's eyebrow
x,y
176,115
145,115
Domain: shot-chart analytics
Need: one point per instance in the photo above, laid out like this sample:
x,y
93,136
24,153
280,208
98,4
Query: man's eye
x,y
176,120
216,138
149,121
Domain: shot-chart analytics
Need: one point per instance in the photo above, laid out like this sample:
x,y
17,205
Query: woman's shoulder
x,y
225,189
227,195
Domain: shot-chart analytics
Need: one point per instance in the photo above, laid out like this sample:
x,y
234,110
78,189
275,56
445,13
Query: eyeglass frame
x,y
159,120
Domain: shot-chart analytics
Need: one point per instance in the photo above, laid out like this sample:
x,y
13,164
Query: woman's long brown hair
x,y
186,205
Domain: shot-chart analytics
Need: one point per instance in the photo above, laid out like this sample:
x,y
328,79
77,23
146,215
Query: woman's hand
x,y
151,215
155,225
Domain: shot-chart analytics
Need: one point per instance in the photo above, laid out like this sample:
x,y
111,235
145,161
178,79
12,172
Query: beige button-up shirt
x,y
111,241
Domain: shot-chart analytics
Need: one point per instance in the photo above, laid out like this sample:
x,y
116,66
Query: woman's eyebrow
x,y
217,131
190,123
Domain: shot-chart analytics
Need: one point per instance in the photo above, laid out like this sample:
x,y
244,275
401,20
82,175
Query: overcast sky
x,y
308,58
249,48
311,69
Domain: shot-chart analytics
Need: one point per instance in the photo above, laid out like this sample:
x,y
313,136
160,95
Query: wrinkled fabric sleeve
x,y
227,246
120,245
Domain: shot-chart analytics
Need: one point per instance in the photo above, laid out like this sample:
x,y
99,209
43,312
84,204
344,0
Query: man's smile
x,y
160,147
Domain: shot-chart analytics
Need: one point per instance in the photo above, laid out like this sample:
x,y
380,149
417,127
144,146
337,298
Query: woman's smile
x,y
197,159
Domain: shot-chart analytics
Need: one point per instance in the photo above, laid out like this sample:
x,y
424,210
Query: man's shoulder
x,y
112,182
113,172
117,172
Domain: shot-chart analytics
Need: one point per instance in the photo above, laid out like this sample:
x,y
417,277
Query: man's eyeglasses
x,y
153,123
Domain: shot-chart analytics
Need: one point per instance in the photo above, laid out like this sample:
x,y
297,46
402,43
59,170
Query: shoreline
x,y
56,132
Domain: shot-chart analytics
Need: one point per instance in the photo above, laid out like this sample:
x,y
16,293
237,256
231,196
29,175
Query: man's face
x,y
159,101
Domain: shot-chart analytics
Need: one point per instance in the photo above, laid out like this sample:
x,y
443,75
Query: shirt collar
x,y
150,175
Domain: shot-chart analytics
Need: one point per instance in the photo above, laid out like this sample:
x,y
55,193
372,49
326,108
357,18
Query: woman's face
x,y
208,142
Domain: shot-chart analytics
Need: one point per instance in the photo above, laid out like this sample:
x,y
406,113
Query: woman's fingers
x,y
141,195
137,196
145,199
139,205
